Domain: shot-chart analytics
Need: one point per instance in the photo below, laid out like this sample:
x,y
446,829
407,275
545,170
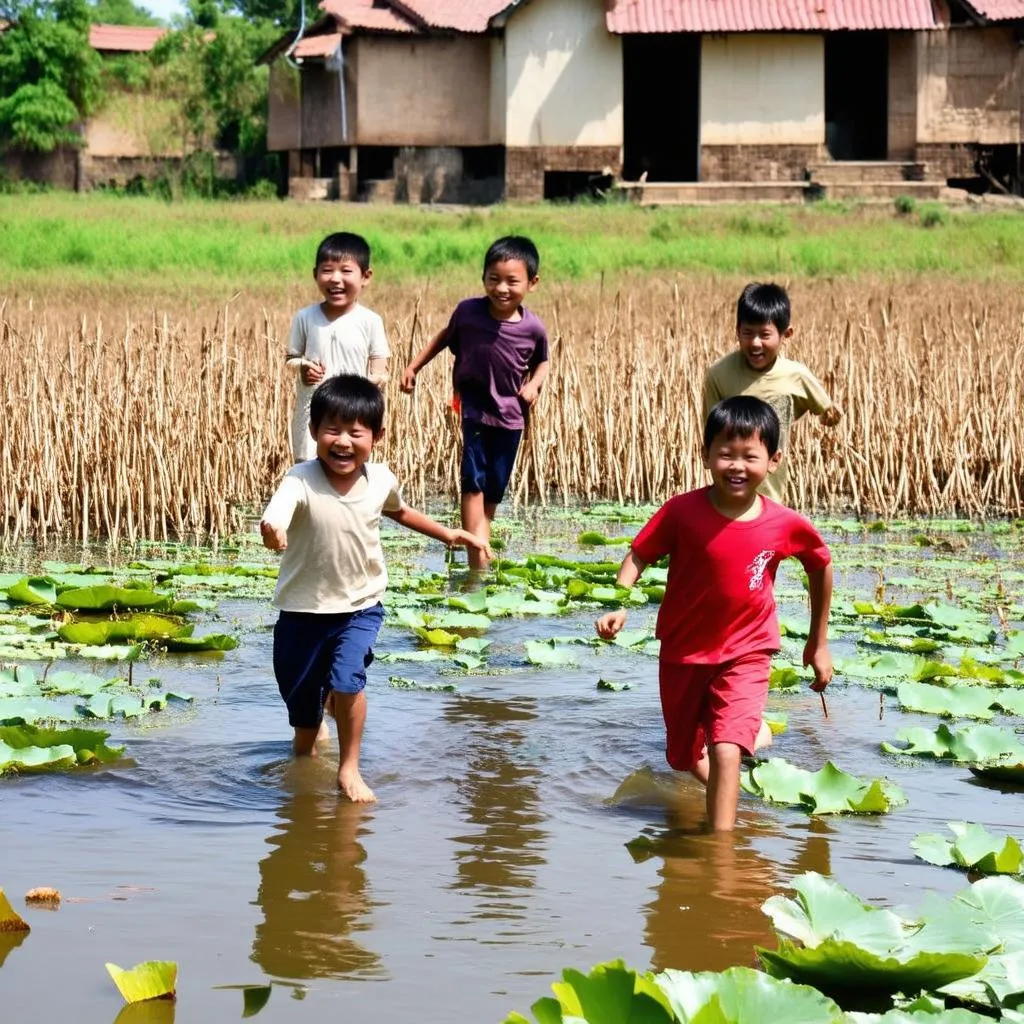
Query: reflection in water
x,y
312,886
8,942
497,860
152,1011
706,912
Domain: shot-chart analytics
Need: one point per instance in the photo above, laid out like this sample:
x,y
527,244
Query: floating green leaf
x,y
402,683
547,652
973,848
613,685
153,979
210,642
107,597
254,997
112,652
10,919
437,637
978,743
33,590
826,791
1012,773
25,747
949,701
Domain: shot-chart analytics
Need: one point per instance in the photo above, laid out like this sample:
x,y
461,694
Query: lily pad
x,y
27,748
547,652
107,597
10,919
973,848
979,744
826,791
152,979
948,701
40,590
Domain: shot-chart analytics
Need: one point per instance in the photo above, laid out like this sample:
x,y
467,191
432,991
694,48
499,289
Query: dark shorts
x,y
314,654
488,455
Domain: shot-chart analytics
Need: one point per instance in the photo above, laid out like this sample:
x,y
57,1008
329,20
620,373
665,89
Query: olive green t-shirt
x,y
788,387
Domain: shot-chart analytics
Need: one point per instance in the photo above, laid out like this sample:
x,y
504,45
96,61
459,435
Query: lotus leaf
x,y
826,791
911,644
613,685
401,683
475,601
922,1016
33,590
977,743
951,701
973,848
547,652
741,995
210,642
437,637
83,684
785,677
153,979
112,652
254,997
1012,773
10,919
107,598
777,721
473,645
460,620
29,710
891,611
89,745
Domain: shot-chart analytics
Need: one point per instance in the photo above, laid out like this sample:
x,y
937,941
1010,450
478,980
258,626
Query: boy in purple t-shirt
x,y
501,363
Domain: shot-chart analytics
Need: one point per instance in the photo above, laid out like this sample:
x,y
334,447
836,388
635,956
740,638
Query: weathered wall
x,y
970,86
135,125
563,73
902,96
424,92
525,166
283,106
758,163
762,89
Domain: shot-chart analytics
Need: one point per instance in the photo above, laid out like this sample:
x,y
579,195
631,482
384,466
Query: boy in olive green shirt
x,y
763,321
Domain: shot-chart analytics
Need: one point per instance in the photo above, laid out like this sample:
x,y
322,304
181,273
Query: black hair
x,y
514,247
764,304
743,416
344,245
348,398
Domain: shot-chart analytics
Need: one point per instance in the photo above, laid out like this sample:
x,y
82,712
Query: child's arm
x,y
611,623
438,344
530,391
413,520
831,416
816,652
377,370
278,514
712,396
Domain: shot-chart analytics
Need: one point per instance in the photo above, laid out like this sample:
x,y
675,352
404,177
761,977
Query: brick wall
x,y
758,163
525,166
902,119
946,159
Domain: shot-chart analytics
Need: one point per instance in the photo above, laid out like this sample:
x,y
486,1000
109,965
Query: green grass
x,y
197,244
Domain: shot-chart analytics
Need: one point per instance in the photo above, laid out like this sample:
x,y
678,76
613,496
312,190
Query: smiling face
x,y
738,466
760,344
342,447
340,282
507,283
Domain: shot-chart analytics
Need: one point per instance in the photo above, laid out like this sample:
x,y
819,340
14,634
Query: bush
x,y
905,205
934,216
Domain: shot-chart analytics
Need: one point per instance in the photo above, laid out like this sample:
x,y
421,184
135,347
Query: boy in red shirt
x,y
717,622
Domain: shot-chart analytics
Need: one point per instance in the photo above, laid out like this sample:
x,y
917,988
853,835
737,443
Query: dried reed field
x,y
124,427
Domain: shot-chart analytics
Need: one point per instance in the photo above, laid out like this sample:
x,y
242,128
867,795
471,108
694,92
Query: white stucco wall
x,y
563,74
762,89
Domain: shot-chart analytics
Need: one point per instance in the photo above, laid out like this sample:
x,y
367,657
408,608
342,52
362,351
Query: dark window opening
x,y
661,106
857,95
376,163
564,186
482,162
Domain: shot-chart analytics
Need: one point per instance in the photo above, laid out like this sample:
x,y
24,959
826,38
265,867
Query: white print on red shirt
x,y
757,568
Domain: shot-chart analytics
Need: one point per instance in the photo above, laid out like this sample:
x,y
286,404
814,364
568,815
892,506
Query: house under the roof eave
x,y
471,100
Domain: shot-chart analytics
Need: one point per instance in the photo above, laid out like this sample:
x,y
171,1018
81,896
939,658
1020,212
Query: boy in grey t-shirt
x,y
324,516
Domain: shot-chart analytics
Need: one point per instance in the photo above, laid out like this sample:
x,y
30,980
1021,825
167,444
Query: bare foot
x,y
350,782
323,733
764,736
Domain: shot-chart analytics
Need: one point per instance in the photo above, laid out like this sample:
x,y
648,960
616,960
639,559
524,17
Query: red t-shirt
x,y
720,599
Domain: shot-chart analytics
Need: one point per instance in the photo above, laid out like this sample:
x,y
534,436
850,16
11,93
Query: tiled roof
x,y
458,15
124,38
999,10
317,46
368,16
642,16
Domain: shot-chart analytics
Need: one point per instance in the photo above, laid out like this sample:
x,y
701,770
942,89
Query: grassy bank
x,y
205,246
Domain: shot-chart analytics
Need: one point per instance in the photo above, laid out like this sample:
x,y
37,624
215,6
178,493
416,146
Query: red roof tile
x,y
124,38
999,10
317,46
368,16
459,15
642,16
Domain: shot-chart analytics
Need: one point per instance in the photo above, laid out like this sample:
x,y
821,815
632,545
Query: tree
x,y
49,74
120,12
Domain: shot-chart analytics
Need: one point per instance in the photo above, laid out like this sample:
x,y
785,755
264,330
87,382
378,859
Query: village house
x,y
478,100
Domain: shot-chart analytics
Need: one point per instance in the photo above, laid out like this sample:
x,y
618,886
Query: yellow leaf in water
x,y
153,979
10,919
43,894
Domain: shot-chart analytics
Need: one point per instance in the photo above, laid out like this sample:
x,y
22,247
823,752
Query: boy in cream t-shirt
x,y
763,321
337,335
325,517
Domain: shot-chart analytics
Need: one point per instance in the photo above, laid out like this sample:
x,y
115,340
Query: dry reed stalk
x,y
179,428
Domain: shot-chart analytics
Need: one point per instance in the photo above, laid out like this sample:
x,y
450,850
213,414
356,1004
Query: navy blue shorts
x,y
488,455
314,654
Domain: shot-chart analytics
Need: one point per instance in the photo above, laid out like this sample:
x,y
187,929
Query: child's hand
x,y
312,372
408,380
831,416
609,625
529,392
465,539
819,657
274,538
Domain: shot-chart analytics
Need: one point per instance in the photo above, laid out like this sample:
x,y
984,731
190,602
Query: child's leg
x,y
723,784
352,655
302,648
475,519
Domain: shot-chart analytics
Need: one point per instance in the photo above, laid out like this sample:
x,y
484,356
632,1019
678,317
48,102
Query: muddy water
x,y
494,857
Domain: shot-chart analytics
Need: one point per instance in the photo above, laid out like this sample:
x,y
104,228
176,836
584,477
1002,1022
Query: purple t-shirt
x,y
492,360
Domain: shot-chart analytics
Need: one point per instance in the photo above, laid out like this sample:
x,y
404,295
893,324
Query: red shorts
x,y
712,703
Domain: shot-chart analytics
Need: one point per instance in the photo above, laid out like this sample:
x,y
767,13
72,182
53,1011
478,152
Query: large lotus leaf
x,y
611,994
997,903
473,645
826,791
36,758
941,1016
843,968
107,597
949,701
89,745
979,743
1010,701
460,620
153,979
547,652
999,984
14,710
437,637
890,611
81,684
911,644
96,633
111,652
961,620
741,995
513,602
33,590
970,668
475,601
973,848
210,642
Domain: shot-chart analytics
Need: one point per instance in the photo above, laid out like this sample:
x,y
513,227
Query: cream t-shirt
x,y
334,561
788,387
344,345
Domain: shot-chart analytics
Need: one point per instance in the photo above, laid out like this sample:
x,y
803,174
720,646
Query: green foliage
x,y
973,849
153,979
119,12
25,748
905,205
979,744
933,215
826,791
49,75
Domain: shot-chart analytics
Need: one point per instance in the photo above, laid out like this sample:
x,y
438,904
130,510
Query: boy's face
x,y
738,466
507,283
342,447
760,344
340,282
